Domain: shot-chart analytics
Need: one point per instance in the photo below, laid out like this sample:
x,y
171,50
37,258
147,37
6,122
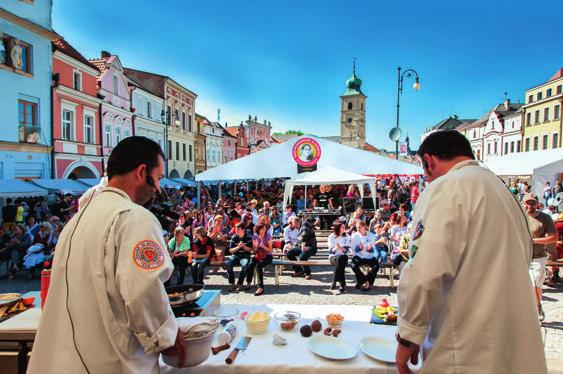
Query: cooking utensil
x,y
186,294
220,348
241,346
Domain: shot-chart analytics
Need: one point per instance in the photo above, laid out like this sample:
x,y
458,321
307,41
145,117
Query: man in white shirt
x,y
465,295
291,233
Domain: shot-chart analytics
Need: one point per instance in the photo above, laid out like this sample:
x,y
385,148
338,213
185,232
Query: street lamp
x,y
395,134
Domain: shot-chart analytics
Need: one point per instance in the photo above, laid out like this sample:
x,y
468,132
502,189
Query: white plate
x,y
379,348
331,348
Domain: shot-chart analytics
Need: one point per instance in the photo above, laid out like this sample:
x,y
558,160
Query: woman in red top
x,y
203,249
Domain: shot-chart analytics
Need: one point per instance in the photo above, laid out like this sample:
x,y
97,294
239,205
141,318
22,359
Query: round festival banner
x,y
306,152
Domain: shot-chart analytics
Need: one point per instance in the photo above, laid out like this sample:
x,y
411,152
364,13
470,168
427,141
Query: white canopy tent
x,y
328,175
277,162
541,166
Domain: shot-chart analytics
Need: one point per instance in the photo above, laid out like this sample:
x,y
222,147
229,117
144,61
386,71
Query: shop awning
x,y
16,188
90,182
169,183
186,182
61,185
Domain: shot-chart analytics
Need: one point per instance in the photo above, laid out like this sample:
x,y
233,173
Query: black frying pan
x,y
184,294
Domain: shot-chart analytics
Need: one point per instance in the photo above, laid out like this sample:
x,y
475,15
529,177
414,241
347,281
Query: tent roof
x,y
524,163
277,162
91,182
329,175
61,185
185,182
170,183
17,188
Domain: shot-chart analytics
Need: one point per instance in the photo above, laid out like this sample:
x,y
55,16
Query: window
x,y
190,152
559,89
88,129
108,135
349,106
189,123
27,54
540,96
505,148
183,152
528,118
527,149
555,141
177,151
488,148
496,146
548,92
77,81
68,124
546,114
176,116
518,143
536,143
474,134
115,86
537,117
149,111
511,147
117,135
183,120
556,111
126,133
170,150
544,143
168,112
530,99
27,119
478,154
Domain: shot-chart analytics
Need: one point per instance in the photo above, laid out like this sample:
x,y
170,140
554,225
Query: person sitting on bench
x,y
305,248
338,247
240,248
363,248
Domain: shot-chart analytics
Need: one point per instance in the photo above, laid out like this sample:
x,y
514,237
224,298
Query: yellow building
x,y
542,125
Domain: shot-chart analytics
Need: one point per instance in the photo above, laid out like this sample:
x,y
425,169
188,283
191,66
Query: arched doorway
x,y
81,171
174,174
188,175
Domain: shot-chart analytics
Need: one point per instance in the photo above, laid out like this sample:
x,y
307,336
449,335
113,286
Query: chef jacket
x,y
465,292
120,311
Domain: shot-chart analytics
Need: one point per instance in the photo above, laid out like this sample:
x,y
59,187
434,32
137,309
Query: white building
x,y
213,144
148,114
512,137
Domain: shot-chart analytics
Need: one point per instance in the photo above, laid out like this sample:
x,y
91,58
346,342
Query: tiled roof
x,y
232,131
370,148
65,47
100,63
558,74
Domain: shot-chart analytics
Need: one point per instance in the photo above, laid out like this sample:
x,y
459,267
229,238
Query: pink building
x,y
76,133
259,134
229,146
116,105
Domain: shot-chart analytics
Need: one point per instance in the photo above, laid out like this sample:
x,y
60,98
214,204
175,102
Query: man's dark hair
x,y
132,152
446,145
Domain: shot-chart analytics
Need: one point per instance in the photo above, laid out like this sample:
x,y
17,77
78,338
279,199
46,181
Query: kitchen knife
x,y
241,346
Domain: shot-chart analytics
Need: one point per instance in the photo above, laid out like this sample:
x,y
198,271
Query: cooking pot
x,y
184,294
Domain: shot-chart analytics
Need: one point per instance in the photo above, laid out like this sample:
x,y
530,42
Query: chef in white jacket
x,y
465,295
107,310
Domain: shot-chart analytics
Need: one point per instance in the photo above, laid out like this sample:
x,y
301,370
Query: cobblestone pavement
x,y
317,291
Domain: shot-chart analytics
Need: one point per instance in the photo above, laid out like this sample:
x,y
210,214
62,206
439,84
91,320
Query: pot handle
x,y
220,348
232,356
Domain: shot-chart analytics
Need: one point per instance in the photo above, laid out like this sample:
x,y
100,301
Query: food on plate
x,y
306,331
385,313
336,332
9,296
384,303
279,340
3,310
335,320
16,308
328,331
28,301
316,325
288,320
257,323
175,294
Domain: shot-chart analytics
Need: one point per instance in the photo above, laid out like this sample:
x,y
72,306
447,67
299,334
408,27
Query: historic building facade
x,y
115,110
241,147
25,95
353,113
199,146
77,149
179,113
258,134
541,114
229,146
213,144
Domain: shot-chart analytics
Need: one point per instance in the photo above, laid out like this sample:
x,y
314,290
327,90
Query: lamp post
x,y
416,86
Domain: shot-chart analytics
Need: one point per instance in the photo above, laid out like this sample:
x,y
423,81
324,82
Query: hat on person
x,y
530,197
253,202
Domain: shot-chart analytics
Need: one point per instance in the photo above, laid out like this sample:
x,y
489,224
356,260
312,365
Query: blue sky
x,y
287,61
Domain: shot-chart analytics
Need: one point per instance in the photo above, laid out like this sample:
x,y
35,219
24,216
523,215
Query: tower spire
x,y
354,66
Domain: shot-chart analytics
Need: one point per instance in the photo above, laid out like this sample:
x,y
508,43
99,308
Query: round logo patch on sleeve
x,y
147,255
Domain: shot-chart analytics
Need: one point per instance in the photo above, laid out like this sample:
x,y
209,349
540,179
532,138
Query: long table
x,y
261,354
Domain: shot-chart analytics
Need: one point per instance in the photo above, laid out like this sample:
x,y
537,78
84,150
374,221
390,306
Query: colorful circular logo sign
x,y
147,255
306,152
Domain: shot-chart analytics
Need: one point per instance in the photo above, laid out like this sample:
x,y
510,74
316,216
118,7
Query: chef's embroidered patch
x,y
418,231
147,255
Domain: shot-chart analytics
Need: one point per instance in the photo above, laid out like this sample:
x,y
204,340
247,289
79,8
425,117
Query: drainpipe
x,y
131,89
54,84
101,127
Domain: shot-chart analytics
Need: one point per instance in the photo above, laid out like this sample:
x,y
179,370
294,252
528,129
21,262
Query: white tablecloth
x,y
262,356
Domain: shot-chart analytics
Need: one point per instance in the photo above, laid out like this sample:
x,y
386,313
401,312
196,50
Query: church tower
x,y
353,113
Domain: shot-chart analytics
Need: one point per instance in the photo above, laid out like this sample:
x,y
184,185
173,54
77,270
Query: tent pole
x,y
220,188
305,197
198,195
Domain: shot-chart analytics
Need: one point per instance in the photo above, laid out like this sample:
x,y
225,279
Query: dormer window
x,y
77,80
